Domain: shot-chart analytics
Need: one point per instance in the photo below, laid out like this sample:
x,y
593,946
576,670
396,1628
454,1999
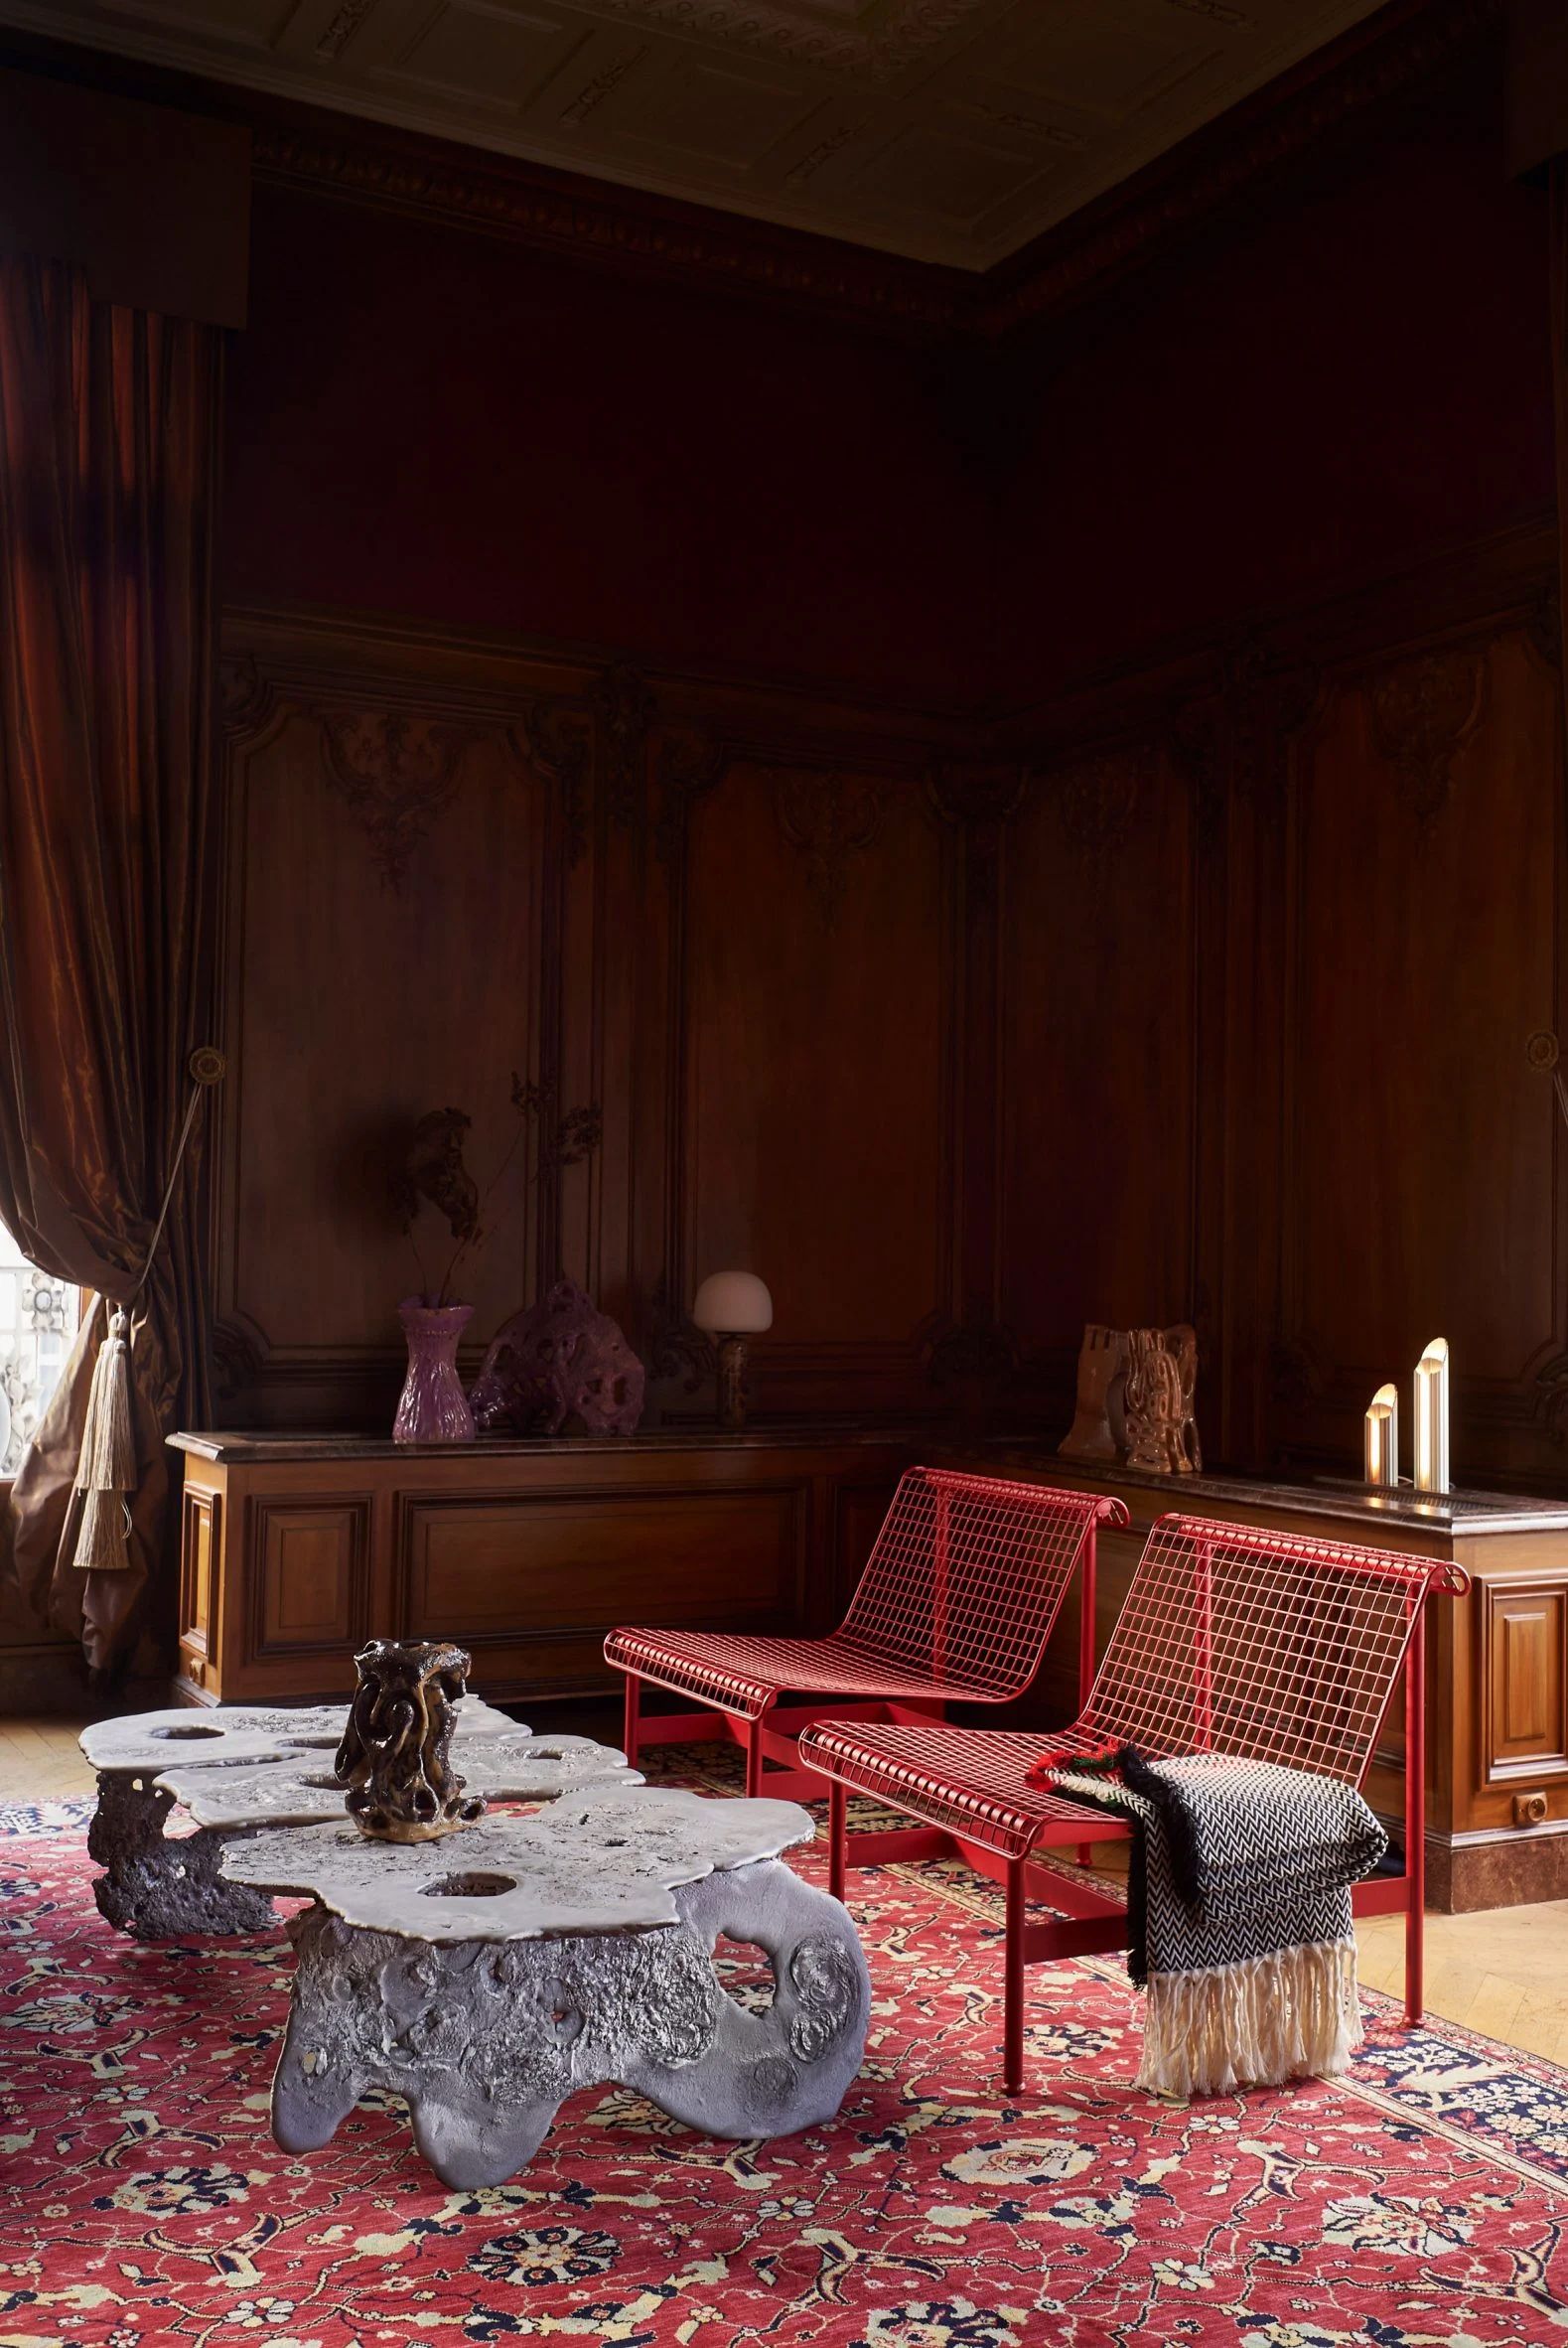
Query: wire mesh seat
x,y
958,1599
1267,1646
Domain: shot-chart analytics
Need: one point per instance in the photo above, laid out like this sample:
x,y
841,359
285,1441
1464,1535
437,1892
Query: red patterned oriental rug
x,y
1421,2201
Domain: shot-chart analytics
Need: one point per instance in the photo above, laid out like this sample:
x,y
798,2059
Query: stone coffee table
x,y
486,1976
241,1767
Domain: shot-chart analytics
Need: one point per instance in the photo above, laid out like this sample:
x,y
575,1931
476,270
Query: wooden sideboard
x,y
295,1548
1496,1659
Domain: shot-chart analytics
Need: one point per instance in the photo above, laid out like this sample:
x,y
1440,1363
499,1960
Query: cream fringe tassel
x,y
106,1470
1293,2015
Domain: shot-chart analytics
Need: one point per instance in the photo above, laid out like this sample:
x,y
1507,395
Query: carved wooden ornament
x,y
828,819
396,773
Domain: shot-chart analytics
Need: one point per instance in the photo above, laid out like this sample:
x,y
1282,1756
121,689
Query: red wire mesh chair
x,y
1272,1647
959,1595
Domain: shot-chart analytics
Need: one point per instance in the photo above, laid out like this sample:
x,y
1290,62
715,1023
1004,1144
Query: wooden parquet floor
x,y
1503,1972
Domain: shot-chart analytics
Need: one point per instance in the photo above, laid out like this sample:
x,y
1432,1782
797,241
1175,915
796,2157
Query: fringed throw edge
x,y
1292,2014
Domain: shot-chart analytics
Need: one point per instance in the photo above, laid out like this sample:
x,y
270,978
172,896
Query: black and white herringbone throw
x,y
1239,1914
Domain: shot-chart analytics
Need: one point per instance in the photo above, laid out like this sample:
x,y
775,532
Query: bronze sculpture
x,y
394,1755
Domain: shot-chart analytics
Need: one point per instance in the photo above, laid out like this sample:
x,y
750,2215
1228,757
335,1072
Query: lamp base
x,y
732,1384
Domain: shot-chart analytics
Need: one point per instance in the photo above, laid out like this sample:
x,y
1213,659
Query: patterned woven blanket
x,y
1239,1914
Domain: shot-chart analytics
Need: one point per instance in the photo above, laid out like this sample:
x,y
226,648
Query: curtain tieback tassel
x,y
106,1472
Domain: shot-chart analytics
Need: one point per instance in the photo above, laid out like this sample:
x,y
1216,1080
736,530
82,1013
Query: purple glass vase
x,y
432,1407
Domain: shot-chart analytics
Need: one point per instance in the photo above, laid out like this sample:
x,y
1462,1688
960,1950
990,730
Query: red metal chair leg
x,y
1087,1625
754,1757
837,1852
1013,1989
1415,1820
629,1726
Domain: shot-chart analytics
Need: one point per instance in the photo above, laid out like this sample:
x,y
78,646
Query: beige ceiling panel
x,y
721,113
250,24
493,57
591,75
1109,59
936,171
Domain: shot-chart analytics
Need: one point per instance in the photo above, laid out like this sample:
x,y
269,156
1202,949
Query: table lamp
x,y
732,1307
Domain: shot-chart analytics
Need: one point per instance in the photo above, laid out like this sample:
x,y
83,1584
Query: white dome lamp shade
x,y
732,1307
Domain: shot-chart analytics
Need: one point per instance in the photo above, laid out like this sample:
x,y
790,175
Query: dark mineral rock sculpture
x,y
394,1756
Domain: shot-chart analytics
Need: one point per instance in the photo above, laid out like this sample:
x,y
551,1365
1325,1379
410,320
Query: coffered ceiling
x,y
945,130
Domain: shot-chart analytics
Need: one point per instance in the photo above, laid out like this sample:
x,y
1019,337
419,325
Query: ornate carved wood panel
x,y
1420,1170
817,1042
390,931
1216,990
452,860
1099,1083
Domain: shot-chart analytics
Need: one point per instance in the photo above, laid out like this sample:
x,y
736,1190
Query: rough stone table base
x,y
485,2039
158,1889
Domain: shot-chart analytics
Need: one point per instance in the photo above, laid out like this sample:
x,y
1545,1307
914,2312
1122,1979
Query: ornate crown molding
x,y
624,229
598,222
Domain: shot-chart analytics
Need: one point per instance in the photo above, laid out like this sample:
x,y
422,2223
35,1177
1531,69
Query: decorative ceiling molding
x,y
922,140
613,226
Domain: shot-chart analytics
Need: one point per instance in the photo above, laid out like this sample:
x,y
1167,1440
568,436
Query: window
x,y
38,1320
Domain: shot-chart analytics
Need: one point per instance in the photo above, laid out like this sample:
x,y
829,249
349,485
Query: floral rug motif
x,y
1419,2203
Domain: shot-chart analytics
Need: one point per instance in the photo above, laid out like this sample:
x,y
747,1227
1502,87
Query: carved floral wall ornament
x,y
1544,627
396,773
1194,747
689,765
1422,714
246,695
556,741
830,820
622,707
1097,797
977,792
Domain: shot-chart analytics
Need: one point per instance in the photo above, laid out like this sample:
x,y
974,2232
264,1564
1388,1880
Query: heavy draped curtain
x,y
1559,309
109,446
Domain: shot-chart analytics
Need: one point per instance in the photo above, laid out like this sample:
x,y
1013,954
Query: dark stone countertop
x,y
1346,1500
271,1447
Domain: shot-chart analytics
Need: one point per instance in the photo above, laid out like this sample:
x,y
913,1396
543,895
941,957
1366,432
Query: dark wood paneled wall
x,y
729,916
1209,990
1282,917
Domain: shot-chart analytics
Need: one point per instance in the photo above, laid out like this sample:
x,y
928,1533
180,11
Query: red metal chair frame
x,y
958,1599
1270,1645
